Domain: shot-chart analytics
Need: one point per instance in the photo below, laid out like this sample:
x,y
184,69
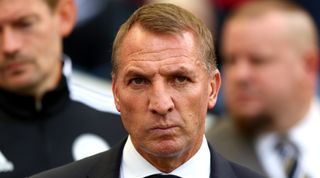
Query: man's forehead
x,y
161,54
15,3
263,30
20,5
168,66
19,9
272,21
138,39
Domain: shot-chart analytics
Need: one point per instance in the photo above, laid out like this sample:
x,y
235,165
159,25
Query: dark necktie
x,y
289,155
162,176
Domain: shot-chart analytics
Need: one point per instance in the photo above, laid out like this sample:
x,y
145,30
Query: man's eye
x,y
137,81
260,60
24,24
181,79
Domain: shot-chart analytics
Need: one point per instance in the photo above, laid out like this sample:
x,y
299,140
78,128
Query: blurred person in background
x,y
270,63
225,7
40,126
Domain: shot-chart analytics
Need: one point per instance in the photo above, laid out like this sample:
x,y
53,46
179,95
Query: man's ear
x,y
115,95
311,59
67,13
311,67
214,86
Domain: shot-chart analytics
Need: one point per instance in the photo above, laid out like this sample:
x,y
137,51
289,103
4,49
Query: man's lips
x,y
163,125
163,129
13,66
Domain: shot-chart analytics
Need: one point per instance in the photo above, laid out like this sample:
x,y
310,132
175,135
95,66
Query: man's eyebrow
x,y
21,18
135,72
181,70
176,69
31,16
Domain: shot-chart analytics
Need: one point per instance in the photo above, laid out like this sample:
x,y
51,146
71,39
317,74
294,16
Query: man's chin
x,y
166,150
18,86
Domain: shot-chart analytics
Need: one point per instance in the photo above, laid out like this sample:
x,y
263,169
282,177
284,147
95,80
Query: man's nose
x,y
160,99
10,42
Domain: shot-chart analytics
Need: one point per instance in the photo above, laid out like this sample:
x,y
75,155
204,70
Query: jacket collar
x,y
220,167
24,107
109,164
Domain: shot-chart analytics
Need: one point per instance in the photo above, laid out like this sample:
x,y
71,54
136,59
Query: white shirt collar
x,y
304,135
133,165
67,66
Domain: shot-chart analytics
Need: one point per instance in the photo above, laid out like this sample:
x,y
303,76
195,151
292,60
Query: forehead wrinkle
x,y
141,69
172,68
142,55
163,62
144,68
162,59
178,67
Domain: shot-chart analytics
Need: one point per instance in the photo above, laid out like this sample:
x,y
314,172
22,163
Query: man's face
x,y
30,45
262,69
162,90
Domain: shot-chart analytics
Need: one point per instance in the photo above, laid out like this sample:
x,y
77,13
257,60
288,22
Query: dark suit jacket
x,y
107,165
227,141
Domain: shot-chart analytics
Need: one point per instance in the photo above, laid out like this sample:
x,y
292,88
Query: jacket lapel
x,y
220,168
109,164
